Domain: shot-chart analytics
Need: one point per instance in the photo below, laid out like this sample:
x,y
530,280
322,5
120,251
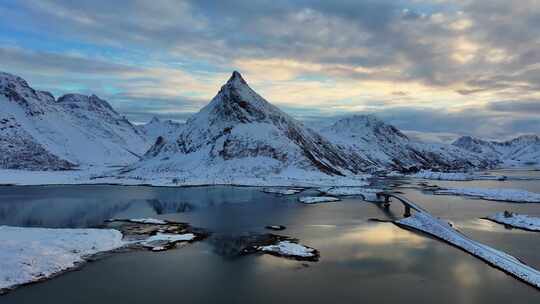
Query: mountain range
x,y
238,134
39,132
524,149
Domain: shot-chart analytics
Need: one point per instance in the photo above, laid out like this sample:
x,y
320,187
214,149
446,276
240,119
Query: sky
x,y
436,69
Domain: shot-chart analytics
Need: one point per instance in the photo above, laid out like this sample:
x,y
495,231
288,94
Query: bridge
x,y
407,204
445,232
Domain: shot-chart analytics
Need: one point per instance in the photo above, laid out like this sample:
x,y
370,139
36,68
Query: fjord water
x,y
361,260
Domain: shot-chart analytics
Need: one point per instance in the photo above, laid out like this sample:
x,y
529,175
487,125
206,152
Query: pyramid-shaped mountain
x,y
239,133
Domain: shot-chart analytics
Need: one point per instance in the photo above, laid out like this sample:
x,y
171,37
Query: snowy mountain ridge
x,y
521,150
386,146
164,128
237,135
41,133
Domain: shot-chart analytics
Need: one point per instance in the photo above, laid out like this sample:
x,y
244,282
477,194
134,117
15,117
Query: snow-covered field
x,y
515,220
33,254
426,223
506,195
317,199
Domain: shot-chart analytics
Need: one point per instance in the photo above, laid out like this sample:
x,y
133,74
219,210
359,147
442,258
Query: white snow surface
x,y
167,129
494,194
287,248
369,194
32,254
317,199
430,225
78,129
517,220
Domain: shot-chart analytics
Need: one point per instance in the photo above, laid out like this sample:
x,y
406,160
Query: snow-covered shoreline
x,y
493,194
33,254
520,221
103,176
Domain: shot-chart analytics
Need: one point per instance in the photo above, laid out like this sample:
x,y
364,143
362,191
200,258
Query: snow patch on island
x,y
163,241
289,249
141,221
33,254
369,194
317,199
515,220
506,195
282,191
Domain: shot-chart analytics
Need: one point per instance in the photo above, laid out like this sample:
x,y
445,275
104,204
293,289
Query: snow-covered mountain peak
x,y
90,103
366,127
17,90
470,143
240,133
73,130
236,102
6,78
525,139
154,120
236,79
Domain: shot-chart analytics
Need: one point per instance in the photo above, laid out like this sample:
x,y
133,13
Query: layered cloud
x,y
458,67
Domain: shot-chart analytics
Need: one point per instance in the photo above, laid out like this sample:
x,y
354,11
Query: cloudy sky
x,y
434,68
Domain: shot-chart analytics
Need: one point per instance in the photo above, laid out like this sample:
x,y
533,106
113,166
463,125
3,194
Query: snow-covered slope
x,y
155,128
524,149
44,133
239,134
386,146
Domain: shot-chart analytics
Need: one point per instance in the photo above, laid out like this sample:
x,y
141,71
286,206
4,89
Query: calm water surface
x,y
361,261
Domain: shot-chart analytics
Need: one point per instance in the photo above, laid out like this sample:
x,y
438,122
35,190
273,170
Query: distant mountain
x,y
41,133
239,134
164,128
518,151
389,148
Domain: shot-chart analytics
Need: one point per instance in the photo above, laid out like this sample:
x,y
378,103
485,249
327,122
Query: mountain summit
x,y
239,133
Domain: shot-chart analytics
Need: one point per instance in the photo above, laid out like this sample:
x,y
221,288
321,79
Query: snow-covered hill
x,y
241,135
155,128
386,146
522,150
43,133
